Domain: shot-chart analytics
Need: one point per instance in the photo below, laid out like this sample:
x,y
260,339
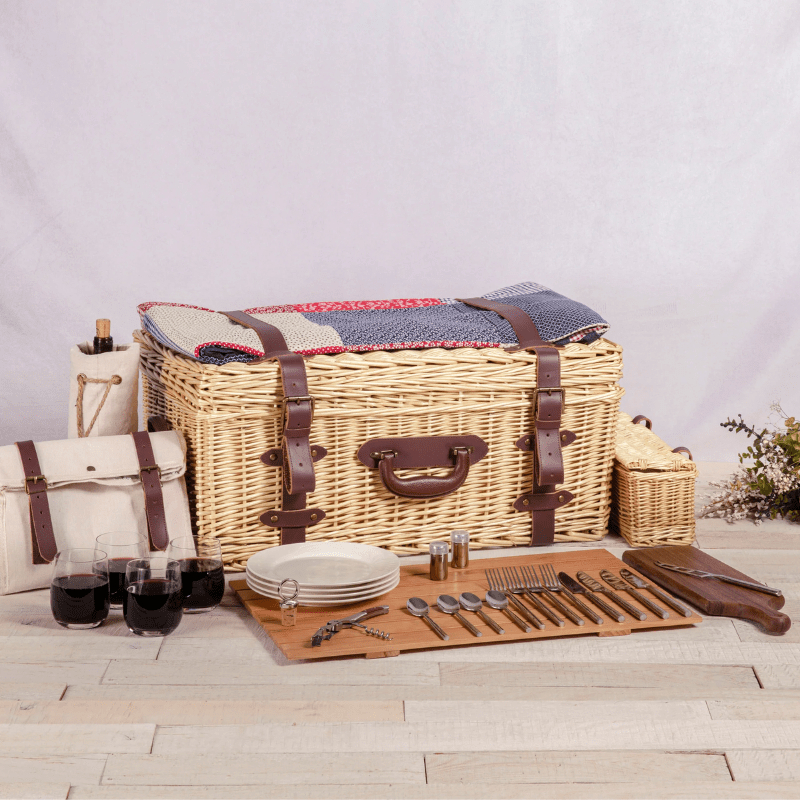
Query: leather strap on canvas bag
x,y
150,475
298,413
43,540
547,438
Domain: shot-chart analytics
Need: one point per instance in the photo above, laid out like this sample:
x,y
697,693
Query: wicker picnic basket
x,y
653,487
231,414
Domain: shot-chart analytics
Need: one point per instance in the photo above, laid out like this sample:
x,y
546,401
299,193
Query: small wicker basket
x,y
653,490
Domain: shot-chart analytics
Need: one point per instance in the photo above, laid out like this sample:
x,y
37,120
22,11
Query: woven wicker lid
x,y
638,448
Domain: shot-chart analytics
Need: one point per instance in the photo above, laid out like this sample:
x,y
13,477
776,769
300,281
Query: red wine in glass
x,y
153,606
79,600
202,582
116,580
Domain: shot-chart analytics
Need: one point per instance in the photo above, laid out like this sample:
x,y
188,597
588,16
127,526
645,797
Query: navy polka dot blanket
x,y
359,326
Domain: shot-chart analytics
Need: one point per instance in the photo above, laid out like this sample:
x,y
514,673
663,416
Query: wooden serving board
x,y
411,633
717,598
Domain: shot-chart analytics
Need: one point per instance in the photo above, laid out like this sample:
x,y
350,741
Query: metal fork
x,y
535,585
497,583
553,584
518,586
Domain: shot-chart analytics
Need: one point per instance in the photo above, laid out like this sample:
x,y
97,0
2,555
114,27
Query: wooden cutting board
x,y
714,597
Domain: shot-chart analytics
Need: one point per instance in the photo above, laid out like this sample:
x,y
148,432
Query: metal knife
x,y
617,583
596,586
576,588
663,596
699,573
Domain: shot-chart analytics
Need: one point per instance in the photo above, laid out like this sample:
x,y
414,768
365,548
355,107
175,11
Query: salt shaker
x,y
288,595
460,540
439,552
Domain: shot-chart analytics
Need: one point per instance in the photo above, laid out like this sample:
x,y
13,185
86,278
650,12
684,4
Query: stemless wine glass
x,y
121,546
152,601
201,571
79,589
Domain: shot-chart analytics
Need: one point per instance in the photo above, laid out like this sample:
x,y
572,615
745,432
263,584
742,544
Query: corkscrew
x,y
353,621
373,632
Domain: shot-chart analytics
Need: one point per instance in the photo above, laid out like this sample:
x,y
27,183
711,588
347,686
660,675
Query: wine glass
x,y
121,546
152,601
202,576
79,595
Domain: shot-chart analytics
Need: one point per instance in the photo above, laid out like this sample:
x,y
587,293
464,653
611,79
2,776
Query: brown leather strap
x,y
298,518
642,418
534,501
271,338
298,414
524,327
43,540
158,424
547,409
150,476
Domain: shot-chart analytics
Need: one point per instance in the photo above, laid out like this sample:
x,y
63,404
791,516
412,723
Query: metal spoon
x,y
419,608
471,602
498,600
449,605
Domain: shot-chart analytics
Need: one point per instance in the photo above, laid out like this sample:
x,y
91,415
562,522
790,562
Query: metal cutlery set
x,y
496,599
544,592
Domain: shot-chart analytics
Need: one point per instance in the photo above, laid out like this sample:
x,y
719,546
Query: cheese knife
x,y
617,583
577,588
699,573
590,583
661,595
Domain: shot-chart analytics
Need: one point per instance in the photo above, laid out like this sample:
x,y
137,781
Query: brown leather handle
x,y
424,486
684,450
641,417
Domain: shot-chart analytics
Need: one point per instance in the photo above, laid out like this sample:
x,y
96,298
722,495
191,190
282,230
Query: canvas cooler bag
x,y
63,494
504,434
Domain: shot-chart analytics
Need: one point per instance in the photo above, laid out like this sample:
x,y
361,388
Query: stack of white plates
x,y
329,573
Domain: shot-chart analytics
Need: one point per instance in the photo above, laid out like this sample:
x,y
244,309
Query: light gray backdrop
x,y
639,156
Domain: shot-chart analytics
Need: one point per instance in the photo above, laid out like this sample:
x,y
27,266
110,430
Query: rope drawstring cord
x,y
114,380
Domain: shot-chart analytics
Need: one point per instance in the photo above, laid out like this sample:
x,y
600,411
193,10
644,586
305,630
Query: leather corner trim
x,y
302,518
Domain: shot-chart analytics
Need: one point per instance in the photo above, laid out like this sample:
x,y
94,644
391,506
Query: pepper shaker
x,y
460,540
439,552
288,595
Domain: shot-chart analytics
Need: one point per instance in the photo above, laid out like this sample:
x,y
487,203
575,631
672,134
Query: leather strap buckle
x,y
35,479
286,400
150,469
549,392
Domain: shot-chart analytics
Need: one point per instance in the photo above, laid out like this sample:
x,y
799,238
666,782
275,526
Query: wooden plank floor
x,y
215,711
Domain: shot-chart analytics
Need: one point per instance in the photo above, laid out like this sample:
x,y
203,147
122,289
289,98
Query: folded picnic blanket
x,y
314,328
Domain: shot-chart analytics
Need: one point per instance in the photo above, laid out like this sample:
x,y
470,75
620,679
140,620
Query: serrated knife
x,y
590,583
663,596
577,588
617,583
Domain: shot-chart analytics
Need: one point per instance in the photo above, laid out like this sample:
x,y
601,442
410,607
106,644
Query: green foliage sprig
x,y
768,482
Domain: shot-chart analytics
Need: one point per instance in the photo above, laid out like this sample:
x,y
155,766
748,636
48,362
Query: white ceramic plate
x,y
324,565
337,591
329,601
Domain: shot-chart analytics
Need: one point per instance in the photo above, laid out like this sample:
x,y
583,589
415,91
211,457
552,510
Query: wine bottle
x,y
103,343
